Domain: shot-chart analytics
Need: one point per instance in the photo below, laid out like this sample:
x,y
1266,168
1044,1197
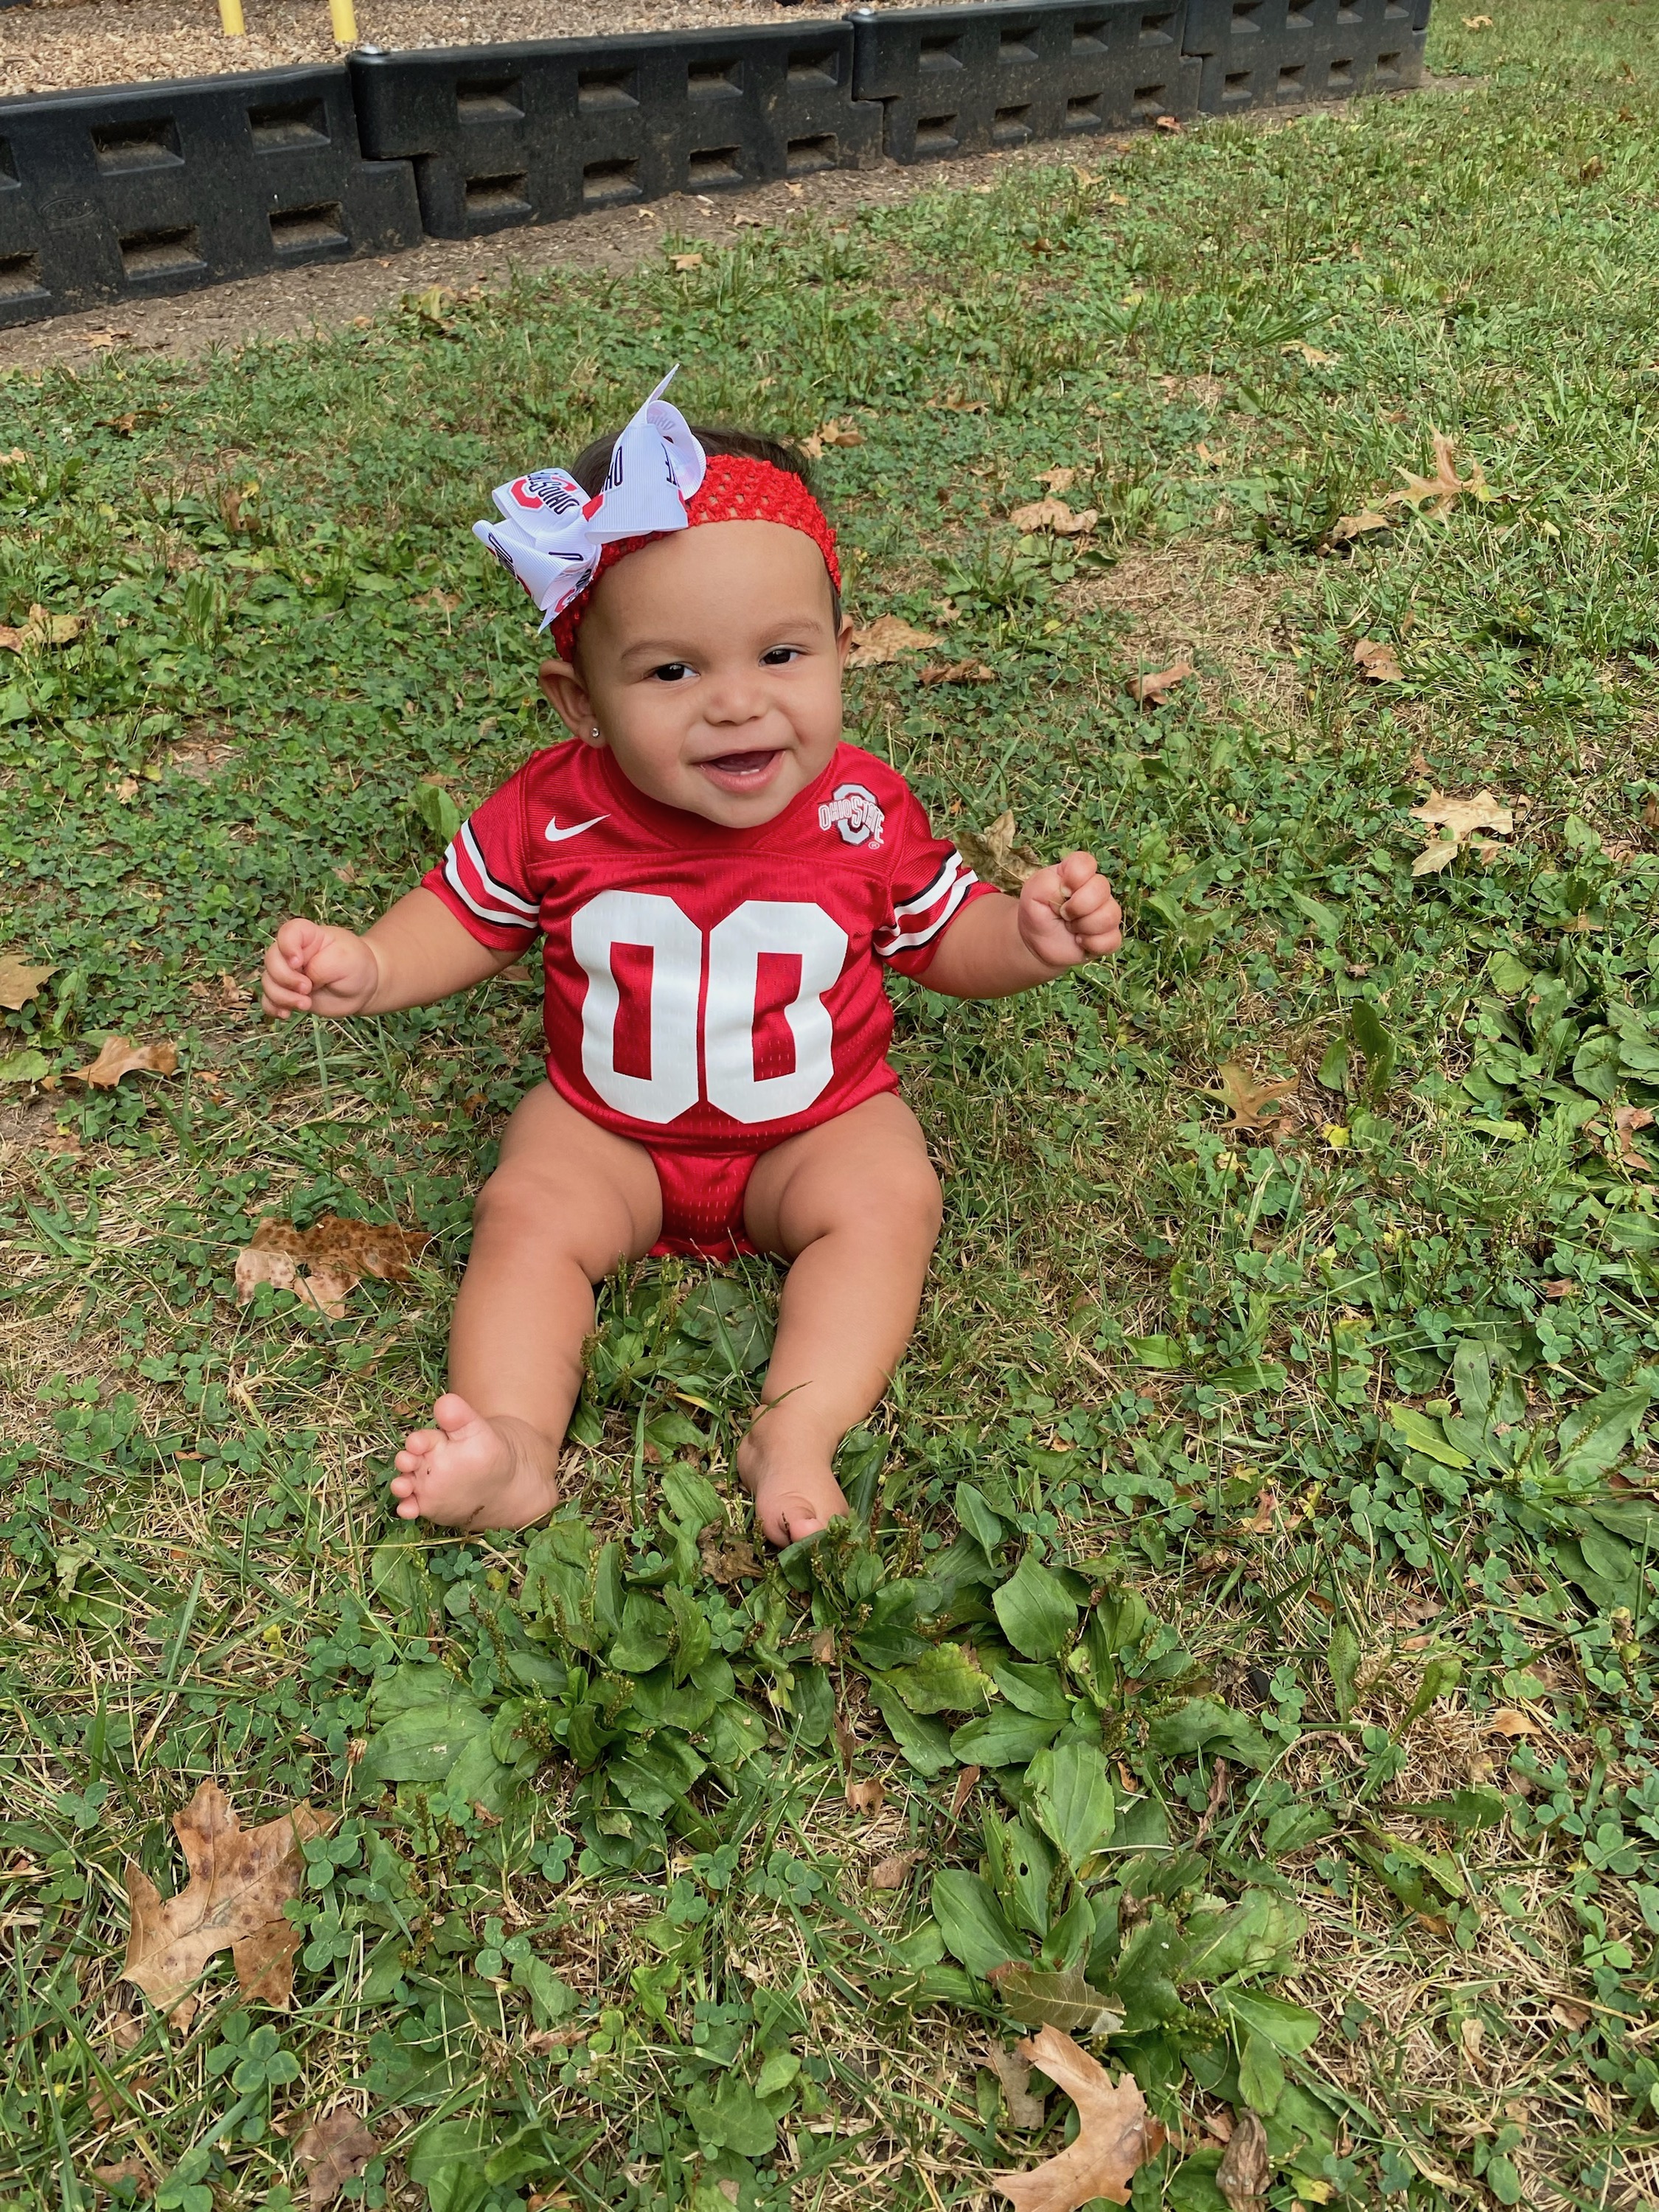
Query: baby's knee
x,y
906,1203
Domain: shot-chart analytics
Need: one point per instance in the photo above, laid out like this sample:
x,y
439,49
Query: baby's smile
x,y
750,771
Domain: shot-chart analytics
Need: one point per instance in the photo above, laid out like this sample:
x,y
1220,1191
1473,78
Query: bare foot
x,y
474,1473
795,1493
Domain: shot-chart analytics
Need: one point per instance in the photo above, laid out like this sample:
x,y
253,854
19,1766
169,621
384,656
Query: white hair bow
x,y
551,533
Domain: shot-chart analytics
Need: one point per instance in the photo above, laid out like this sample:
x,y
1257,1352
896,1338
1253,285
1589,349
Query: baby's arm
x,y
416,953
1064,915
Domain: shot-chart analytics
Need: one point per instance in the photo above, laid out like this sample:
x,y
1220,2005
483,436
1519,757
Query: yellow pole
x,y
230,19
344,16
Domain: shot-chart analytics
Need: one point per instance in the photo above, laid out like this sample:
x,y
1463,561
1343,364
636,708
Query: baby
x,y
718,881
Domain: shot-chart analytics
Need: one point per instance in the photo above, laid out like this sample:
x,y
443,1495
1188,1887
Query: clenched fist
x,y
312,969
1067,913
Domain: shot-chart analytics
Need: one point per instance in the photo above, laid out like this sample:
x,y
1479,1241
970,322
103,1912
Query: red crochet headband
x,y
734,489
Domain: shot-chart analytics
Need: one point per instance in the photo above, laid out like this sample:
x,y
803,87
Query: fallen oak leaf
x,y
1151,688
1437,494
865,1798
1626,1120
958,672
1245,2169
684,261
1509,1721
19,982
1347,527
893,1872
884,640
1053,514
1058,480
966,1783
43,628
1377,662
1459,818
1115,2135
1478,23
128,2169
1244,1098
335,1253
240,1881
727,1562
332,2151
1014,2073
120,1056
995,858
835,433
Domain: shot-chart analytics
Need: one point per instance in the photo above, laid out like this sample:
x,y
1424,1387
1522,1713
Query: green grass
x,y
1353,1407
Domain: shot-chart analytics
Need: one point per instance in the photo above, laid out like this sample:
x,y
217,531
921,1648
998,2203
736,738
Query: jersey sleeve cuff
x,y
504,936
914,958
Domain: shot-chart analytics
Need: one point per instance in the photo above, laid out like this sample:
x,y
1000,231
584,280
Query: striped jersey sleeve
x,y
482,878
931,884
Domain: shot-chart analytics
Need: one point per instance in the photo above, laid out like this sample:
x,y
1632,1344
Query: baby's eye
x,y
780,656
672,671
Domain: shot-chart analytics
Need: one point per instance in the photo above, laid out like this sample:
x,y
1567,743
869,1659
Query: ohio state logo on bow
x,y
854,811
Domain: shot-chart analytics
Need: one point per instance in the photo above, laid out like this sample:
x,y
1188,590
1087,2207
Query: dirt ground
x,y
58,45
297,300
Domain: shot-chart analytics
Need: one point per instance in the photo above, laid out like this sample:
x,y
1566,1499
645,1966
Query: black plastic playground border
x,y
120,193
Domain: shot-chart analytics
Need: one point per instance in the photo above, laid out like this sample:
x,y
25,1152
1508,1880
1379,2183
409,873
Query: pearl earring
x,y
594,731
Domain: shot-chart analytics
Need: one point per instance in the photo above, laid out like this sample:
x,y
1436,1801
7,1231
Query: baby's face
x,y
711,662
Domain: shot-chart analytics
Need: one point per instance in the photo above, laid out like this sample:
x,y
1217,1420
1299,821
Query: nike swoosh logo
x,y
555,836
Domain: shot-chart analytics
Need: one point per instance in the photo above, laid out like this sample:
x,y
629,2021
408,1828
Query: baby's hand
x,y
311,969
1067,913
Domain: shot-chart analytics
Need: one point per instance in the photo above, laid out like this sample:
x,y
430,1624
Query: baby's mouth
x,y
741,771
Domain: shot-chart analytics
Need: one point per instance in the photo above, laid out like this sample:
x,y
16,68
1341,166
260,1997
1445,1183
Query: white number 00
x,y
735,946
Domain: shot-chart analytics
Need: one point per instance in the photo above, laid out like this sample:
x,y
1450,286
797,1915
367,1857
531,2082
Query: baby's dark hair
x,y
590,465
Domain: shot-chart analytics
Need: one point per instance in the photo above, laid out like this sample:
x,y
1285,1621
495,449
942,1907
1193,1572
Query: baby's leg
x,y
568,1200
855,1204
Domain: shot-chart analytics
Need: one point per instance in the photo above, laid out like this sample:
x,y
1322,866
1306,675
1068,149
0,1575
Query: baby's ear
x,y
565,692
844,637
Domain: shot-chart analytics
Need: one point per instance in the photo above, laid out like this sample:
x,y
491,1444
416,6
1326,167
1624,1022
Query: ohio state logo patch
x,y
853,811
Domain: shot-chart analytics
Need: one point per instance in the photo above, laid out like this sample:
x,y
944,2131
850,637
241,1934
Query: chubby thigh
x,y
865,1171
598,1191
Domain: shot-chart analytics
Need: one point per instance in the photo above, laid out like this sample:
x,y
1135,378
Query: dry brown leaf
x,y
894,1872
42,628
684,261
1568,2013
1014,2073
1626,1120
541,2041
1310,353
1153,689
865,1798
1377,662
1437,494
336,1254
822,1647
240,1881
727,1562
1459,818
1562,1287
958,672
1115,2135
1058,480
331,2151
1347,527
130,2169
1170,123
1507,1720
835,433
1245,2169
120,1056
966,1783
884,640
1471,2034
19,982
995,858
1478,23
1054,514
1244,1098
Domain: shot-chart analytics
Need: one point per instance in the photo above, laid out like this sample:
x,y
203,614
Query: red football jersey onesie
x,y
709,992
